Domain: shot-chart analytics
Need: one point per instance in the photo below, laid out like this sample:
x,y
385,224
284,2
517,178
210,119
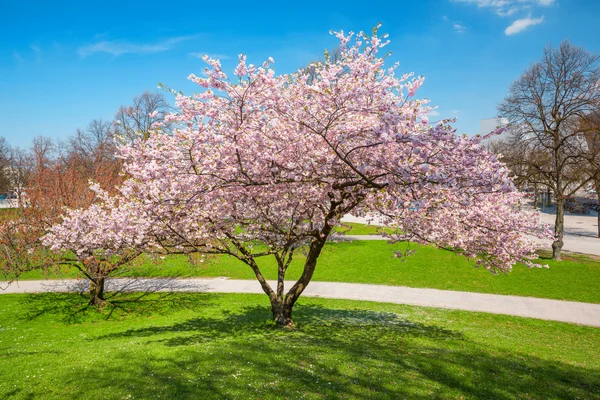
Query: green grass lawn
x,y
354,228
575,278
202,346
9,213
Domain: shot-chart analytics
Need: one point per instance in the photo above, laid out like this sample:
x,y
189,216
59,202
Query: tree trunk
x,y
282,310
597,185
559,226
97,292
282,313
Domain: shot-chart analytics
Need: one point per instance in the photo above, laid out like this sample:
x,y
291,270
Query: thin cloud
x,y
18,57
38,53
433,113
521,24
211,55
101,35
505,8
458,27
118,47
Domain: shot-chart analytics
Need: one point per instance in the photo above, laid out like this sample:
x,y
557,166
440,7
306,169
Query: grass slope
x,y
354,228
190,346
575,278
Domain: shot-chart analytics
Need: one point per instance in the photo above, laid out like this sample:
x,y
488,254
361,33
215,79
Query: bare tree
x,y
517,159
332,56
5,159
590,128
543,106
21,167
138,119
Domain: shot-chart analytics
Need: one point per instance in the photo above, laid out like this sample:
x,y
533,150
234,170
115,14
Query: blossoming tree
x,y
99,239
262,165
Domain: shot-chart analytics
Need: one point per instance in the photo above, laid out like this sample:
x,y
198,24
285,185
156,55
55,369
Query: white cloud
x,y
118,47
506,8
433,113
507,12
458,27
211,55
521,24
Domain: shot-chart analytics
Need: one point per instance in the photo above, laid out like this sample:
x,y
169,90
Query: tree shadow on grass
x,y
256,320
74,308
332,354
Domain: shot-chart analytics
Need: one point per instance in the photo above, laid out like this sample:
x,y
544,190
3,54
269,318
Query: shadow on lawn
x,y
313,320
74,308
332,354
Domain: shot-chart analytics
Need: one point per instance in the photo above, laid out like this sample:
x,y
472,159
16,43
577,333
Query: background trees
x,y
138,119
5,163
54,175
544,106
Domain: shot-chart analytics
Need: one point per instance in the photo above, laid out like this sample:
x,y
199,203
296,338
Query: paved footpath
x,y
553,310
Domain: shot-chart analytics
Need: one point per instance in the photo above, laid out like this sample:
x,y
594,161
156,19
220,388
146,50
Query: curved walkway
x,y
553,310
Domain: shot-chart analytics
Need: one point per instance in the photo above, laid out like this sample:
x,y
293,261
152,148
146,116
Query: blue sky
x,y
63,64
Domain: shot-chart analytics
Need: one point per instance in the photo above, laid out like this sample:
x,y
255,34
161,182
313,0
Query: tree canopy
x,y
262,165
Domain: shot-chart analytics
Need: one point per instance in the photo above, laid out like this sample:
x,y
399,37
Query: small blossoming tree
x,y
262,165
99,240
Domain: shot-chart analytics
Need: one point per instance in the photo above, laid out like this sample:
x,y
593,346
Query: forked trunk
x,y
282,314
97,291
282,306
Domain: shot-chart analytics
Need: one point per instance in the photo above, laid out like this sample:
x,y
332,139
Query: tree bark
x,y
559,226
97,291
597,187
282,313
282,310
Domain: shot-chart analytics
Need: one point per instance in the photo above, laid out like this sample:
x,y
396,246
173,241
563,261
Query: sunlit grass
x,y
192,346
354,228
